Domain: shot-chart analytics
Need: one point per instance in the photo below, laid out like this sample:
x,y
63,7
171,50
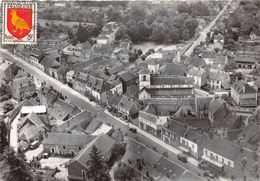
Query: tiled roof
x,y
218,75
219,37
21,81
93,125
48,62
127,76
242,87
126,103
245,59
168,92
174,69
80,120
194,62
103,143
132,91
114,100
66,139
171,80
36,52
217,144
176,127
148,117
193,136
195,122
34,120
203,102
4,66
216,105
194,71
60,109
28,132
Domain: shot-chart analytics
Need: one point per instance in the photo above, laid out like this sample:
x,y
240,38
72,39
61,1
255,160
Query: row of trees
x,y
246,18
161,25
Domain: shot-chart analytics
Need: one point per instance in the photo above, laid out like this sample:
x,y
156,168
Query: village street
x,y
203,34
84,103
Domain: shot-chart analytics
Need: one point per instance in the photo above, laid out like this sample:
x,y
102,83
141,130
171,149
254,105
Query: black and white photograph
x,y
130,90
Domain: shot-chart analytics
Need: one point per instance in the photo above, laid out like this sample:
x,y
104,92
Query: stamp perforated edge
x,y
35,26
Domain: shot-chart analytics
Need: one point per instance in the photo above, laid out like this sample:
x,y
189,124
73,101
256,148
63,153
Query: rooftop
x,y
66,139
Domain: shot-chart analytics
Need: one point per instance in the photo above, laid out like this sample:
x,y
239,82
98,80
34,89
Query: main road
x,y
203,33
84,103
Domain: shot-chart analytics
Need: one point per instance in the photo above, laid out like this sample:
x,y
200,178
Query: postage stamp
x,y
19,22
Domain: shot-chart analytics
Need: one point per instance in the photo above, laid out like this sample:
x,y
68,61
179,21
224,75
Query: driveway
x,y
13,134
33,153
53,162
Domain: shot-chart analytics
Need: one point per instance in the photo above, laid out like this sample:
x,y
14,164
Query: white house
x,y
220,152
150,120
191,143
199,75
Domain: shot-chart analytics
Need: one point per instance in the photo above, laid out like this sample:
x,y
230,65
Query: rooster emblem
x,y
19,23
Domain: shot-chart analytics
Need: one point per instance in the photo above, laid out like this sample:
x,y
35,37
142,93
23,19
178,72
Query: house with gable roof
x,y
218,42
218,79
128,108
66,143
78,168
217,111
243,94
21,86
7,70
199,75
32,127
153,86
36,57
150,119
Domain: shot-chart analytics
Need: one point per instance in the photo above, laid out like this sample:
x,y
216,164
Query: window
x,y
79,148
229,163
144,78
83,172
63,147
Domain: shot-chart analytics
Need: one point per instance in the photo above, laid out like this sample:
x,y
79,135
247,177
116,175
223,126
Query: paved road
x,y
203,34
13,134
84,103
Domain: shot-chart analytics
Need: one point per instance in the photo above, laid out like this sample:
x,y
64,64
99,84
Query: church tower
x,y
144,79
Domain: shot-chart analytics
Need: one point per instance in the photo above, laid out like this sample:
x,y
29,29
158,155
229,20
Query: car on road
x,y
34,145
134,130
45,155
209,174
182,158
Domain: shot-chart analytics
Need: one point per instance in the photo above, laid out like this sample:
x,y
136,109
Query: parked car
x,y
134,130
182,158
34,144
45,155
208,173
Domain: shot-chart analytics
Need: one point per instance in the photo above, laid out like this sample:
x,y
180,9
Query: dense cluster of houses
x,y
157,94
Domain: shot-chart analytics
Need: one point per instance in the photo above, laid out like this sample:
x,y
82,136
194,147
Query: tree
x,y
8,107
124,173
97,166
82,34
16,168
3,136
230,67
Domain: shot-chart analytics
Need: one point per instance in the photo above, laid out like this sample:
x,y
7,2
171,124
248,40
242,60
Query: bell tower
x,y
144,79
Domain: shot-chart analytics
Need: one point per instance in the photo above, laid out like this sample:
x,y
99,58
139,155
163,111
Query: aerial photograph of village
x,y
151,90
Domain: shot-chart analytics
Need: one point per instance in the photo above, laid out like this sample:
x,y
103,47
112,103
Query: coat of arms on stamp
x,y
19,23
